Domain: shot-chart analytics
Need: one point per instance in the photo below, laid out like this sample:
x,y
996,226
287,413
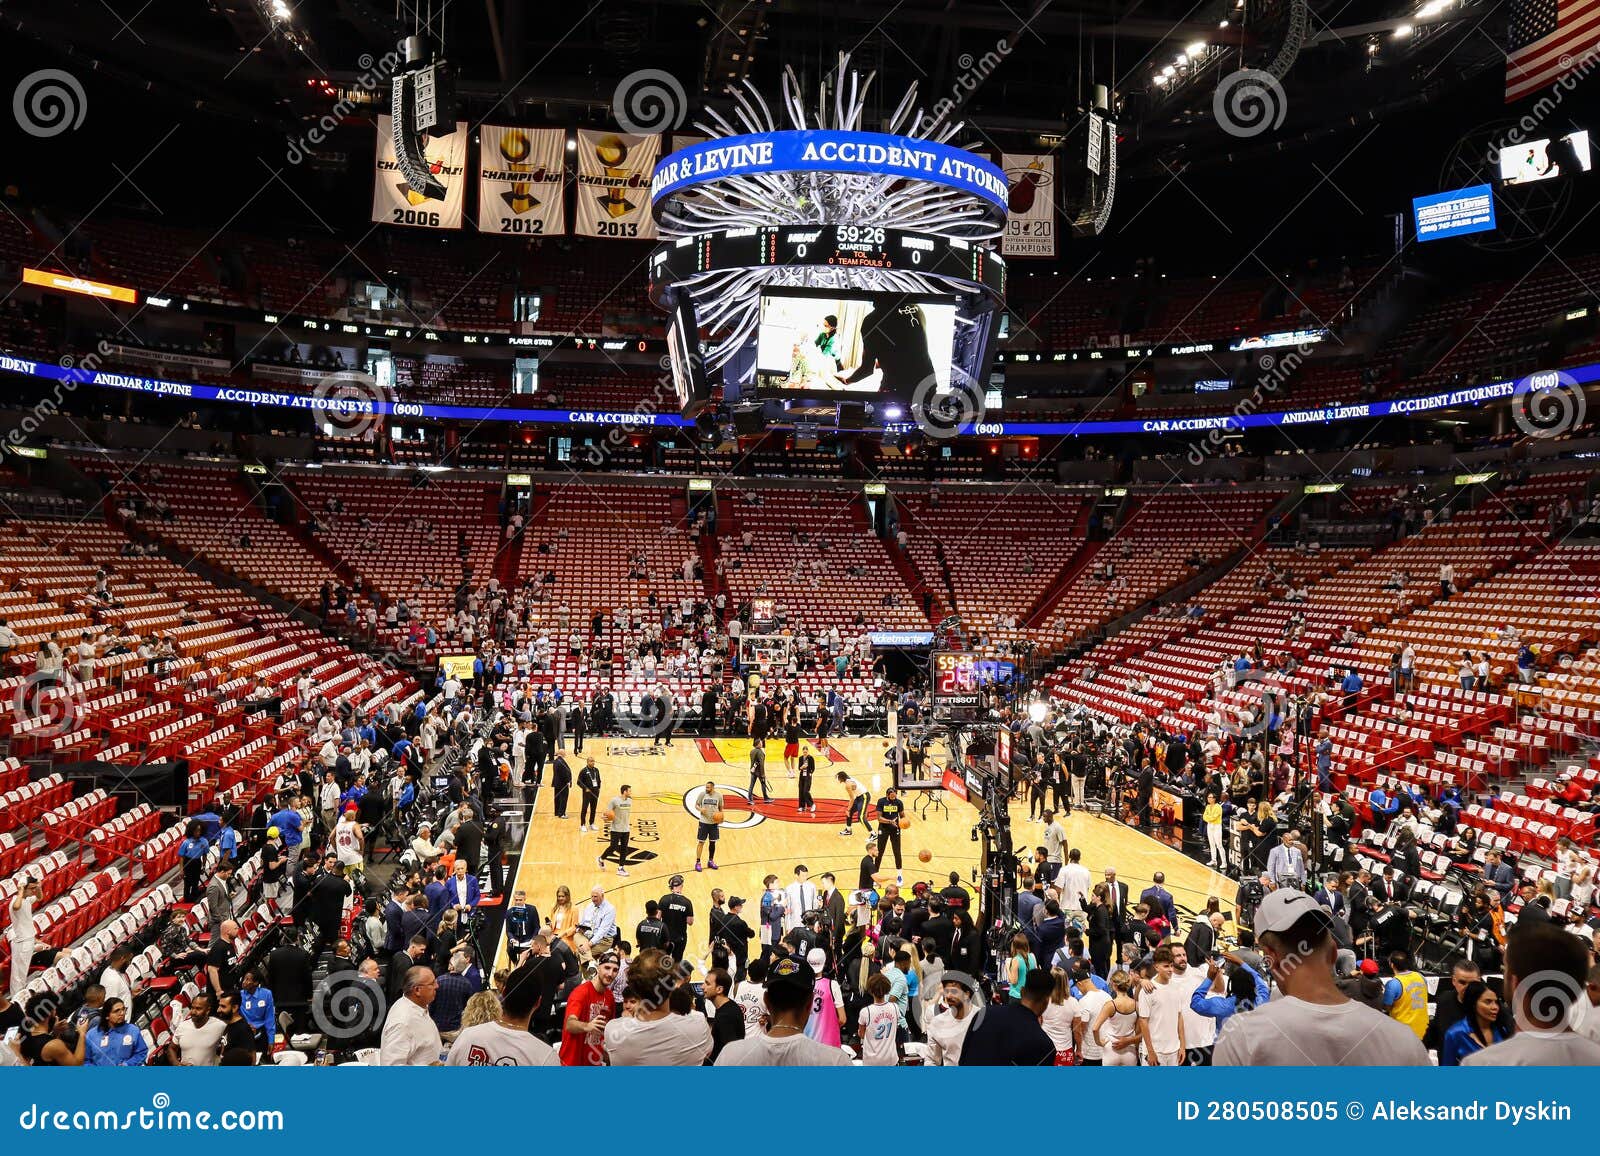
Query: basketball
x,y
610,815
924,856
717,816
904,824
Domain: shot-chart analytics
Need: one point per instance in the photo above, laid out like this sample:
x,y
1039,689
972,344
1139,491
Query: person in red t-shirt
x,y
588,1009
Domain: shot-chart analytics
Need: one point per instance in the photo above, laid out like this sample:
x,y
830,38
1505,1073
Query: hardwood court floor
x,y
774,837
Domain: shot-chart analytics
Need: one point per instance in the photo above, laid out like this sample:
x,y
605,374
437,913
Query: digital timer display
x,y
956,680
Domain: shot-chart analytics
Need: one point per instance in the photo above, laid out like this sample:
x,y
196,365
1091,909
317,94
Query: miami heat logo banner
x,y
395,203
520,177
613,191
1030,205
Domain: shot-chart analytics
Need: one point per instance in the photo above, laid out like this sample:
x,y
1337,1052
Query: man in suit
x,y
403,961
416,919
462,892
561,783
1391,887
435,891
469,841
1358,903
289,975
1117,906
219,895
1160,900
1332,894
325,902
937,928
832,903
1498,874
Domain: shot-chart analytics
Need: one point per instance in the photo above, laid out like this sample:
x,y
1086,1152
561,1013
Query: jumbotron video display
x,y
820,342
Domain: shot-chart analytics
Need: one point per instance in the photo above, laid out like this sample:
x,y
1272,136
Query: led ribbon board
x,y
839,152
239,395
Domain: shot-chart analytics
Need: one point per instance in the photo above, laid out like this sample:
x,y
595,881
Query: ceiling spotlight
x,y
1195,49
1224,24
280,9
1402,31
572,144
1160,79
1168,70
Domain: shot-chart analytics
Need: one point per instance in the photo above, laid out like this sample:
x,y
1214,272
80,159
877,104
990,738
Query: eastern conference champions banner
x,y
395,203
613,189
1030,205
520,176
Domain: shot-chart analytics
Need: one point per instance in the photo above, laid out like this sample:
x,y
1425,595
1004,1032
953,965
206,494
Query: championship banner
x,y
520,176
1030,205
394,202
614,170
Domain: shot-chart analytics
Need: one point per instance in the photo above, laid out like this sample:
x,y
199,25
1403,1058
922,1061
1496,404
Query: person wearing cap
x,y
947,1030
1311,1022
677,912
589,1008
827,1004
735,934
1363,984
790,987
1547,968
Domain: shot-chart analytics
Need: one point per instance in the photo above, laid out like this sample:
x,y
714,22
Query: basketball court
x,y
760,838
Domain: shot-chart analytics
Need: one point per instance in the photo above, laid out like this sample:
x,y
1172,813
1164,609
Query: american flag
x,y
1548,39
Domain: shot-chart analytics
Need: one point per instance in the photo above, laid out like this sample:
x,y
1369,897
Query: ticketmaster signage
x,y
830,151
234,395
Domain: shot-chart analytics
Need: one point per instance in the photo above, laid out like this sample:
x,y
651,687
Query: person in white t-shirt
x,y
1061,1020
507,1042
1199,1032
1161,1005
1312,1023
877,1025
1546,969
655,1035
947,1030
750,993
1091,1054
789,988
1073,882
24,939
197,1040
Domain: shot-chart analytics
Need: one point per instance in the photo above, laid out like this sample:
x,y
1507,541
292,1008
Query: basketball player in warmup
x,y
791,737
348,842
620,816
891,811
710,810
857,795
808,768
758,769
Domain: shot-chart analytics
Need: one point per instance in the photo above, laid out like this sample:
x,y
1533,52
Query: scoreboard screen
x,y
832,246
955,680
